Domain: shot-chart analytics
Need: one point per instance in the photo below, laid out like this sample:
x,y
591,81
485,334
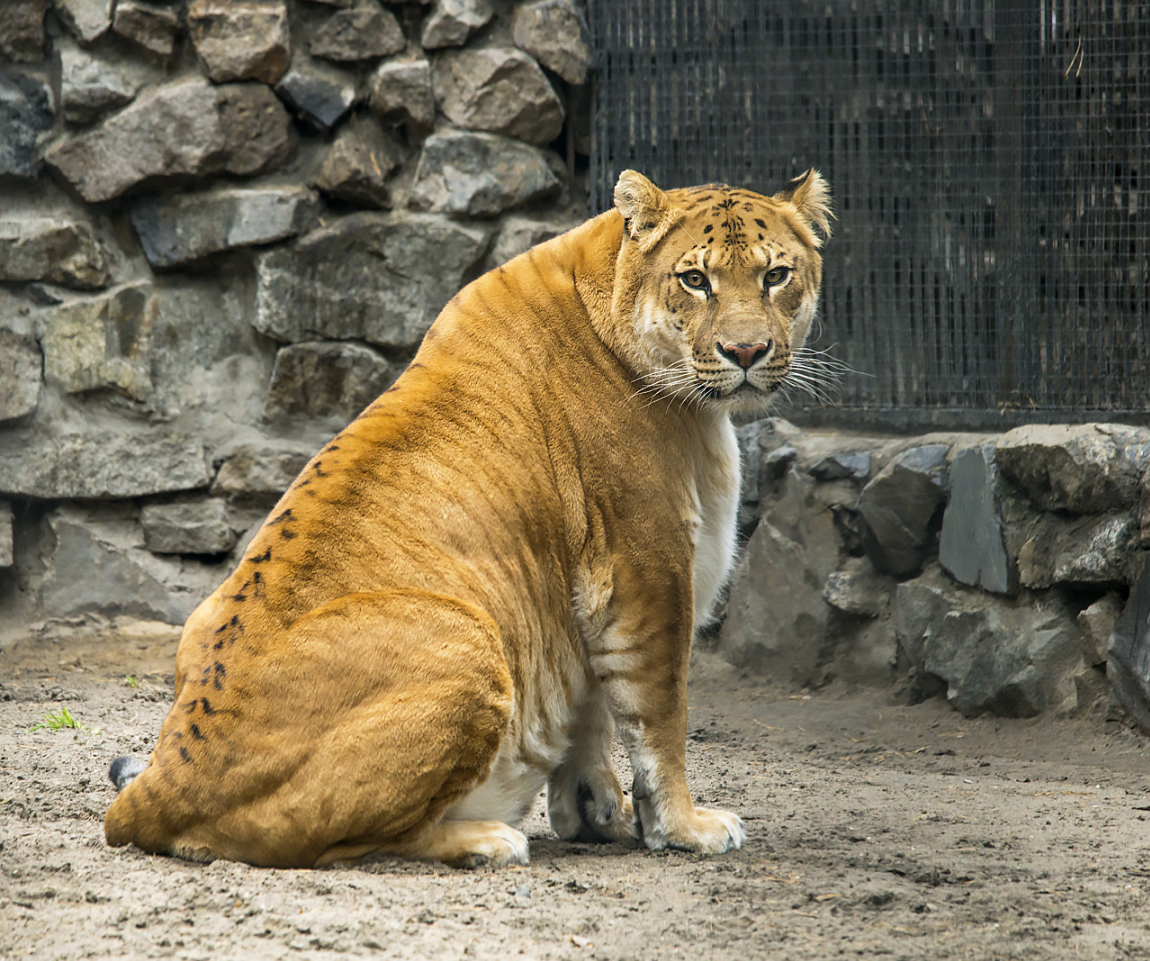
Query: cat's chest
x,y
715,465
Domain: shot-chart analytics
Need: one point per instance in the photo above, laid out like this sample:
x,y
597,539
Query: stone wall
x,y
224,227
1008,571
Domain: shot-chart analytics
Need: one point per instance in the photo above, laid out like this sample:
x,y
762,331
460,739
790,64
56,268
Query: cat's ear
x,y
811,197
647,212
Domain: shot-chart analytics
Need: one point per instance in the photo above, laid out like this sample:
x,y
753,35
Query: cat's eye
x,y
775,276
695,279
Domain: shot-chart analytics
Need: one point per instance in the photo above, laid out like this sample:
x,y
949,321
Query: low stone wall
x,y
1007,571
224,227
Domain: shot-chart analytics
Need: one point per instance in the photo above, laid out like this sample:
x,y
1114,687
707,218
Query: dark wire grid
x,y
986,160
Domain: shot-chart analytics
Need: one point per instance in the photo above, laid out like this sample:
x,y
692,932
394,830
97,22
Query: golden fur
x,y
504,557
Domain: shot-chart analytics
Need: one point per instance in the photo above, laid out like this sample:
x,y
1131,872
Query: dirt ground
x,y
874,829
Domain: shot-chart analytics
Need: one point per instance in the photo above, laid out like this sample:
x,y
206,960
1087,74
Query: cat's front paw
x,y
701,830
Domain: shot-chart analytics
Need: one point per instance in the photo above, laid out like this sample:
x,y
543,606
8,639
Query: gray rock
x,y
865,651
451,22
1092,693
971,546
92,84
820,447
518,234
854,466
774,464
555,33
22,30
917,605
1085,469
183,227
153,29
1097,623
1078,550
318,95
841,500
777,618
776,434
401,93
187,127
364,32
100,464
56,249
1019,521
26,114
255,469
776,625
101,342
100,565
928,461
1144,511
1012,661
7,555
256,131
1128,660
213,369
841,495
241,39
497,90
900,506
777,454
859,589
20,364
188,527
86,20
327,380
357,164
480,175
1009,657
382,278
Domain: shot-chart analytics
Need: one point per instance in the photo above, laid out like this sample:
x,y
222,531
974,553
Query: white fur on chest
x,y
715,456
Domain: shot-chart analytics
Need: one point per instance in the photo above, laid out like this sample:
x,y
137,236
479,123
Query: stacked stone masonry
x,y
225,225
1008,572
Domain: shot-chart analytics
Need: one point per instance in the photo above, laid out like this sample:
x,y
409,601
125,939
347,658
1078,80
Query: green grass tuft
x,y
60,721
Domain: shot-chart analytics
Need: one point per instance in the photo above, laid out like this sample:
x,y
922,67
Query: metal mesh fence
x,y
990,259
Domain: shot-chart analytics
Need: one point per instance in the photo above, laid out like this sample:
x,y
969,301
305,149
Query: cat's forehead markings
x,y
728,215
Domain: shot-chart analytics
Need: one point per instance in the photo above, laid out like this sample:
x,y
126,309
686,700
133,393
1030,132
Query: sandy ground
x,y
874,828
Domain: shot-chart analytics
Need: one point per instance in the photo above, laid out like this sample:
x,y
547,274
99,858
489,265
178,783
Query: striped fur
x,y
498,564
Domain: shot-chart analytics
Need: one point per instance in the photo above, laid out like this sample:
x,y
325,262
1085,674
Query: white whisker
x,y
676,380
817,374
